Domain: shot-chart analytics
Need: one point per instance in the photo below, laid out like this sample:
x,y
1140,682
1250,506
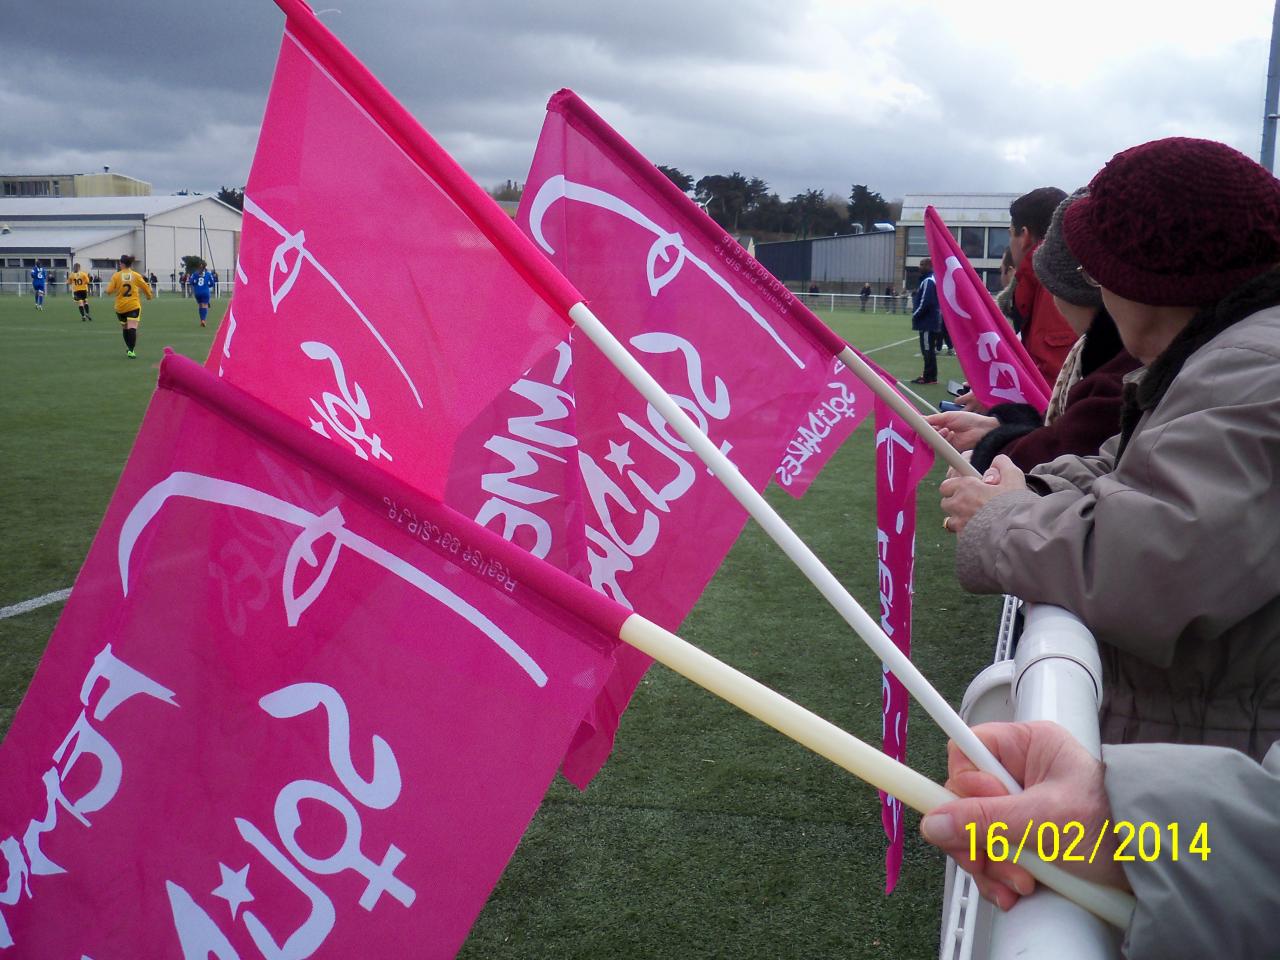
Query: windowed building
x,y
56,232
105,184
979,221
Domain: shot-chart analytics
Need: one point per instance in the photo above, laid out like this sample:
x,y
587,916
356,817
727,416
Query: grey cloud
x,y
176,98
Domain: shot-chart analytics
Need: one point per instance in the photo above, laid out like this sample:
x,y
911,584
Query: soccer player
x,y
125,284
201,289
79,282
38,275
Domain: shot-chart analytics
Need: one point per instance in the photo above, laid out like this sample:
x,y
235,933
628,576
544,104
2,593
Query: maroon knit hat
x,y
1177,222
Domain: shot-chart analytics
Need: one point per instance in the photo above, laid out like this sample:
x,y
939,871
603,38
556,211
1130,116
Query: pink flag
x,y
382,297
902,460
734,348
992,357
292,708
835,415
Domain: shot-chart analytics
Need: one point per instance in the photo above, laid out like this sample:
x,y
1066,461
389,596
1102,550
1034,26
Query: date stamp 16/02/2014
x,y
1070,842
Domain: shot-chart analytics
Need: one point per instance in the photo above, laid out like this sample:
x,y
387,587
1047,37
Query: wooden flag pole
x,y
848,752
953,458
934,704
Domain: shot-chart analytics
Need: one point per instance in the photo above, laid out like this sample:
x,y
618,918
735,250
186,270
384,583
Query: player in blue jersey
x,y
202,288
38,276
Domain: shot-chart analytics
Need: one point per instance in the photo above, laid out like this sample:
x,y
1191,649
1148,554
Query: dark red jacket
x,y
1091,417
1047,337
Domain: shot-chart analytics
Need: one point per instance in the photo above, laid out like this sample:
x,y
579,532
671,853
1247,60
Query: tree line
x,y
745,205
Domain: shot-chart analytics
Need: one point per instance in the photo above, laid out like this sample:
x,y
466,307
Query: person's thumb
x,y
957,826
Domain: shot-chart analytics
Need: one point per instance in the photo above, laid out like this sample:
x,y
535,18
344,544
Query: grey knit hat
x,y
1057,268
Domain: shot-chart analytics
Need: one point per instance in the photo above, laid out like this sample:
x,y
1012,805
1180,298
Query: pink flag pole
x,y
557,292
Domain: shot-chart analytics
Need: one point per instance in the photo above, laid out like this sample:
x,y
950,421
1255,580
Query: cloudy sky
x,y
904,96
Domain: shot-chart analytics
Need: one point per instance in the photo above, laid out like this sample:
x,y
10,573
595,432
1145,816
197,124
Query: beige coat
x,y
1220,905
1172,557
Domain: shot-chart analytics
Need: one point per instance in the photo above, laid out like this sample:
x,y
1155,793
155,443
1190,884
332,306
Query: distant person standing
x,y
182,285
202,288
78,280
38,277
126,283
216,281
155,284
865,295
926,320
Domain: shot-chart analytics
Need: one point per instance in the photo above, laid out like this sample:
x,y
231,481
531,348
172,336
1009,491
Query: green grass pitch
x,y
707,834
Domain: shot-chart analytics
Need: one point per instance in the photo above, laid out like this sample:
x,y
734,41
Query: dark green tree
x,y
866,207
816,214
677,176
727,198
232,197
510,190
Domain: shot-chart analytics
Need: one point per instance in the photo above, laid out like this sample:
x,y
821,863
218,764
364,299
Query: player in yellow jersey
x,y
79,282
126,283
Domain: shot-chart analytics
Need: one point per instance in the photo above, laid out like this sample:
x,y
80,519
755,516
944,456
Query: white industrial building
x,y
979,222
94,231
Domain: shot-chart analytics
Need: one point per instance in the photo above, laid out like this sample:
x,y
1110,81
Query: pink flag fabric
x,y
382,297
993,359
734,348
902,460
835,415
293,708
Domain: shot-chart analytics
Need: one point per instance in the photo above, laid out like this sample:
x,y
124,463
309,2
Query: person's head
x,y
203,265
1059,272
126,260
1029,218
1007,267
1170,227
926,267
75,267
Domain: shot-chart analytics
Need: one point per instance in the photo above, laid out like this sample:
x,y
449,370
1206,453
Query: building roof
x,y
57,238
956,207
68,207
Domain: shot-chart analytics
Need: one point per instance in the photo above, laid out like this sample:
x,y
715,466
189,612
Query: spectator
x,y
155,284
1004,299
1045,334
216,281
1220,905
865,295
927,320
1084,410
1166,543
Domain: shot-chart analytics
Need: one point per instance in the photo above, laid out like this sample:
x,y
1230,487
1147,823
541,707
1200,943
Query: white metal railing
x,y
1051,671
60,289
852,302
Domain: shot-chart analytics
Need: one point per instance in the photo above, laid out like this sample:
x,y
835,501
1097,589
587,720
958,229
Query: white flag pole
x,y
796,549
849,357
848,752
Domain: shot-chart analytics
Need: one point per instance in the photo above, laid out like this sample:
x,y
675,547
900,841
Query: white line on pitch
x,y
886,346
35,603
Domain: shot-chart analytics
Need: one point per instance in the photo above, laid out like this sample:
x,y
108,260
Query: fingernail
x,y
991,475
1024,885
939,828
